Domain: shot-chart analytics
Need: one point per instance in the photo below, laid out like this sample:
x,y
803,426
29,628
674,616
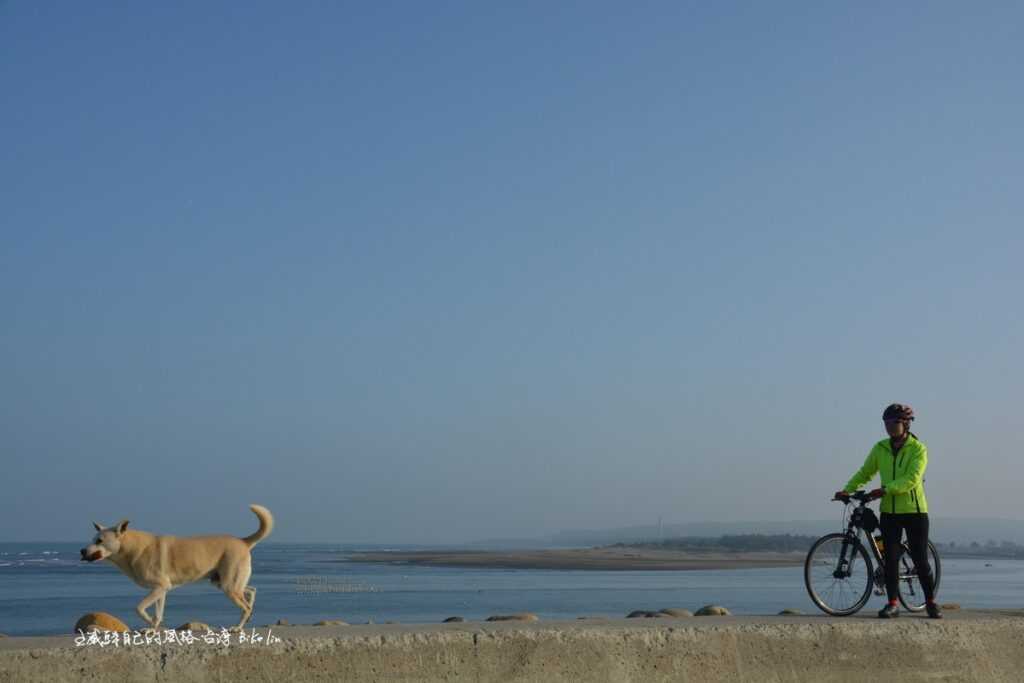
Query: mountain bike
x,y
839,573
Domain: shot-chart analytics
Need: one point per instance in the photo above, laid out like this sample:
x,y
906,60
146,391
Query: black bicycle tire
x,y
869,577
936,575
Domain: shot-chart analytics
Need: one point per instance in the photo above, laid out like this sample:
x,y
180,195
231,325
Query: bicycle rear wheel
x,y
911,593
838,574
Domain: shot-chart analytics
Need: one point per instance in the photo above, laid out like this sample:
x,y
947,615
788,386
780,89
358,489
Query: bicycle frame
x,y
853,532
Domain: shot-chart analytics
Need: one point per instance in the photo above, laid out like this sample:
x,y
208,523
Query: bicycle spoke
x,y
838,587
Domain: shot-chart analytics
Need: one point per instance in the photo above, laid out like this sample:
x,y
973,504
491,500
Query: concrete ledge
x,y
967,646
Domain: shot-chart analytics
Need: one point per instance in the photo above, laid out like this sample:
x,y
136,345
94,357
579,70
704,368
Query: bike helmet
x,y
898,411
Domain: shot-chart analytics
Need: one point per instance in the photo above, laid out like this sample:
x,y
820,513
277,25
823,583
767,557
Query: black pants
x,y
916,525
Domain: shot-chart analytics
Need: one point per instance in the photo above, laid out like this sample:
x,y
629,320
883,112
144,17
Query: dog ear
x,y
98,526
121,526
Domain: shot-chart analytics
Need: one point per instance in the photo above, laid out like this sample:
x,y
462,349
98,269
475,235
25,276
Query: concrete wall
x,y
967,647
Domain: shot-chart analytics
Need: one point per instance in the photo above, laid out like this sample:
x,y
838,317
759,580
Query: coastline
x,y
605,559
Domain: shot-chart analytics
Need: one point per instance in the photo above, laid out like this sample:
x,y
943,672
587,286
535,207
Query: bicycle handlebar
x,y
860,496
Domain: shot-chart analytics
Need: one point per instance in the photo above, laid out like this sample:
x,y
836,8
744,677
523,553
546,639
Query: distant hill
x,y
943,530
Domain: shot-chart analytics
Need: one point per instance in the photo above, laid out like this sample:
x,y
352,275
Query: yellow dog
x,y
161,563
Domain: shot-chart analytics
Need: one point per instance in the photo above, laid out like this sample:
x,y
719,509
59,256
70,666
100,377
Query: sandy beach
x,y
586,558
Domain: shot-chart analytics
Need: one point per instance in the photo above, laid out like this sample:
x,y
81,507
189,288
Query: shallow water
x,y
44,588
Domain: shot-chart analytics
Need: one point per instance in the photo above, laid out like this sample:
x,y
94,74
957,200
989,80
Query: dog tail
x,y
266,525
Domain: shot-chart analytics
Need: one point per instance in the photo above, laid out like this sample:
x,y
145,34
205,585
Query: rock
x,y
194,626
523,616
950,606
282,622
100,621
330,622
790,612
712,611
453,620
644,613
674,612
3,635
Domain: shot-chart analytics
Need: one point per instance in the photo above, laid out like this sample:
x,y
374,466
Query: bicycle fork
x,y
844,568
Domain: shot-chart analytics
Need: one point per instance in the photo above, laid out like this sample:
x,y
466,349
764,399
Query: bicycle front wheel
x,y
838,574
911,592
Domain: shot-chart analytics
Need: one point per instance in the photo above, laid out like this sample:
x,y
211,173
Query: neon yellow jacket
x,y
902,476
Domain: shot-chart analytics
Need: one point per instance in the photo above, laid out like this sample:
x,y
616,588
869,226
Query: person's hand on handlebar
x,y
842,495
877,493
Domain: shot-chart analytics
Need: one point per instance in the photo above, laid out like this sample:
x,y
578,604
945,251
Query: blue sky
x,y
409,272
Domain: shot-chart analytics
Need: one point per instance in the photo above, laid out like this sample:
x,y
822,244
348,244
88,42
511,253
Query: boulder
x,y
453,620
522,616
950,606
712,611
282,622
194,626
644,614
675,612
330,622
100,621
789,611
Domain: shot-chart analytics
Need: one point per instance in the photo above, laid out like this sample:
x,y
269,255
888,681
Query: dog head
x,y
106,543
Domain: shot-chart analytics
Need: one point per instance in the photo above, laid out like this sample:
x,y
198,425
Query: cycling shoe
x,y
889,612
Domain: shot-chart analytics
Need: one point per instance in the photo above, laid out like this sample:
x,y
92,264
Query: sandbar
x,y
624,559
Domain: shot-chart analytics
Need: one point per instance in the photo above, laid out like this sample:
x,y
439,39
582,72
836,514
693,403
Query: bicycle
x,y
838,564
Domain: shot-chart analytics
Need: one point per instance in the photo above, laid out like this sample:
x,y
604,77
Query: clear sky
x,y
435,272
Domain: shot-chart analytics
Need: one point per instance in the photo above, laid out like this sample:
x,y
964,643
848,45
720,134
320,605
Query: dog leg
x,y
250,597
156,594
239,600
160,609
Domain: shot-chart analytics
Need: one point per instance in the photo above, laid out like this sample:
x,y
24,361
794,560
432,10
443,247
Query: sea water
x,y
45,588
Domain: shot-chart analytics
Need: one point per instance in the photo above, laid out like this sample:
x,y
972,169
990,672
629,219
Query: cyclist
x,y
900,461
